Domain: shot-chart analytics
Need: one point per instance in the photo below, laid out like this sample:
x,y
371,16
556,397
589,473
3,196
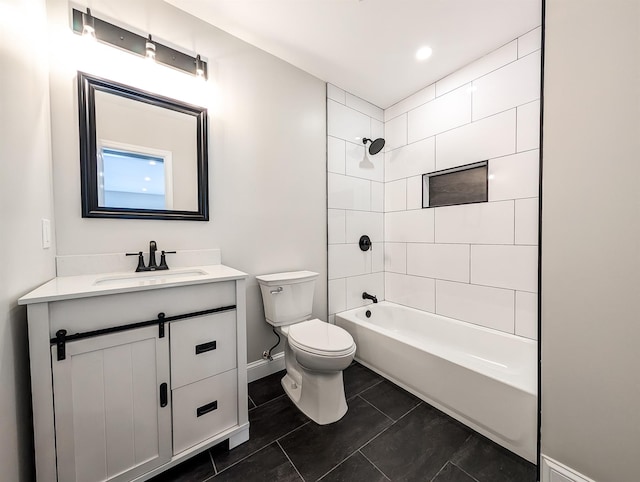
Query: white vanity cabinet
x,y
131,379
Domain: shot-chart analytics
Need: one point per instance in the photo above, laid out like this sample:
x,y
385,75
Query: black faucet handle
x,y
140,260
163,259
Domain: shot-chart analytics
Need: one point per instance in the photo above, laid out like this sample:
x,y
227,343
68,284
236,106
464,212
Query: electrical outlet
x,y
46,234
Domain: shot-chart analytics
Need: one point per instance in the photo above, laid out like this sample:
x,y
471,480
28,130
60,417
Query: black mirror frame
x,y
87,86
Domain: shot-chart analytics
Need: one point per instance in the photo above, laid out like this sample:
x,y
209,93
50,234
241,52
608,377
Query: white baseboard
x,y
262,368
554,471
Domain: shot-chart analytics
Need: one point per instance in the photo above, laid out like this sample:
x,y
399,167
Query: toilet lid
x,y
321,338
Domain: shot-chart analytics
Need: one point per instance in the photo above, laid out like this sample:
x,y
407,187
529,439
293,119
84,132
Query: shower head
x,y
376,146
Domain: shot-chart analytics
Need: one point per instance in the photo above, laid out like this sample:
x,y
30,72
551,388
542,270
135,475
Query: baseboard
x,y
553,471
262,368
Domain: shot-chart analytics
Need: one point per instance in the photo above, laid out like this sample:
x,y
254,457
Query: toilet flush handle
x,y
276,291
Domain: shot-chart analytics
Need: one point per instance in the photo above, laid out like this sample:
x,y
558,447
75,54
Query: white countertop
x,y
85,286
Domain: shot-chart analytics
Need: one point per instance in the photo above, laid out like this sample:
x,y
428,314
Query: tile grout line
x,y
336,466
369,403
387,428
264,446
215,469
290,461
368,388
463,471
268,401
441,469
377,468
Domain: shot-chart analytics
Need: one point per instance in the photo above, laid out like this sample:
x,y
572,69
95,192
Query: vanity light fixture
x,y
88,25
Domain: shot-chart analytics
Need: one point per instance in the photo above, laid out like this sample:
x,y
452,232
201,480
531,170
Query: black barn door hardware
x,y
62,338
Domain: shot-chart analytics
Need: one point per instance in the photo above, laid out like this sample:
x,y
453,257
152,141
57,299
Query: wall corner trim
x,y
554,471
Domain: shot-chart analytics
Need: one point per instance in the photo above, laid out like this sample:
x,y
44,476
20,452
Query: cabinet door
x,y
110,425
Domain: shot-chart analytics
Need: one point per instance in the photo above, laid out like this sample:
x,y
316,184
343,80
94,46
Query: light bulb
x,y
150,48
200,68
88,25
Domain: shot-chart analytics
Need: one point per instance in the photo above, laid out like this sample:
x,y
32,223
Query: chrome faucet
x,y
153,247
367,296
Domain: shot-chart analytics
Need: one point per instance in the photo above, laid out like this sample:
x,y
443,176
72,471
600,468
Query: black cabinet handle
x,y
163,395
204,347
209,407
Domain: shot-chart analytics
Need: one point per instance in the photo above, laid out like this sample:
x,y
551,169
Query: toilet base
x,y
322,399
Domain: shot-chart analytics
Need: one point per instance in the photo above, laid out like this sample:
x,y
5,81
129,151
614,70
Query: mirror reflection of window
x,y
134,177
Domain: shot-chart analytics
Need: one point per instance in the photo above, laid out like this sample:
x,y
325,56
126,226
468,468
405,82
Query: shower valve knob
x,y
364,243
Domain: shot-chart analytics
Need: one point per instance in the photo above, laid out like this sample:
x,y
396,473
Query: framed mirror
x,y
142,156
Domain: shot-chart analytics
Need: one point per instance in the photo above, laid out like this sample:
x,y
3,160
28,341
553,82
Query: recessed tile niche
x,y
459,185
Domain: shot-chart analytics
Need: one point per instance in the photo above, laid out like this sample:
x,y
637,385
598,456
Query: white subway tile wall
x,y
412,160
490,307
395,132
528,132
355,200
413,291
527,221
477,141
395,196
529,42
439,115
439,261
477,262
395,257
513,85
414,192
490,62
527,314
421,97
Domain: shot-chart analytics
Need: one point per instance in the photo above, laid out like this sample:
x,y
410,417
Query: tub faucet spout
x,y
367,296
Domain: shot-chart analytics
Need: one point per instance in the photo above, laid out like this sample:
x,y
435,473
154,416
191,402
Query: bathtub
x,y
484,378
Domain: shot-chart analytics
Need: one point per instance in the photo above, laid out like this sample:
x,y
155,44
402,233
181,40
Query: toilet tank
x,y
287,297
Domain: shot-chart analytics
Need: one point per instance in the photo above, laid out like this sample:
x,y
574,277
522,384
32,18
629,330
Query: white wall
x,y
591,238
25,198
355,200
267,151
476,262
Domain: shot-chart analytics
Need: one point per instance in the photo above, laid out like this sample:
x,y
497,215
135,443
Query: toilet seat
x,y
320,338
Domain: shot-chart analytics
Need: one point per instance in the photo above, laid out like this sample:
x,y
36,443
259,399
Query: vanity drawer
x,y
203,409
202,347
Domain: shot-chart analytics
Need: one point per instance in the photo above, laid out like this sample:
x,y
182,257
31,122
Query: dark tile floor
x,y
387,434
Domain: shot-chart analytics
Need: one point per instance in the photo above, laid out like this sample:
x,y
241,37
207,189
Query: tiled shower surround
x,y
475,262
355,200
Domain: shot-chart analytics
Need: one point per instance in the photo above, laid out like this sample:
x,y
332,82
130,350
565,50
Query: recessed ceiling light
x,y
144,189
152,163
147,178
424,53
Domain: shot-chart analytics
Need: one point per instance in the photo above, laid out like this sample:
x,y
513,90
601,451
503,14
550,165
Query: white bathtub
x,y
484,378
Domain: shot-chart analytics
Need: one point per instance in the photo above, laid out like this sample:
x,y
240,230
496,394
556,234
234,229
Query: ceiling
x,y
367,47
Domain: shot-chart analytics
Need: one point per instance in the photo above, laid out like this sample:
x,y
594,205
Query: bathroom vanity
x,y
132,373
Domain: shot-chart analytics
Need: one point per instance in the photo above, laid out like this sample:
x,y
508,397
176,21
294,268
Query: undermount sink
x,y
150,277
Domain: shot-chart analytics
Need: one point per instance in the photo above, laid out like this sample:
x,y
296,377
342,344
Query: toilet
x,y
315,352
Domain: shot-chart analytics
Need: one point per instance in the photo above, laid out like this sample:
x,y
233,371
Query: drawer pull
x,y
204,347
164,398
209,407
